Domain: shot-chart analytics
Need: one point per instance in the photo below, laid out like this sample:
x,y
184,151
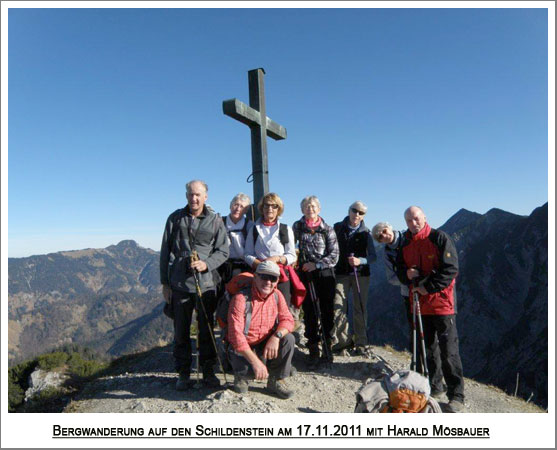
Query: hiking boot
x,y
313,360
184,382
240,384
278,388
455,406
209,378
327,356
438,393
313,363
360,351
338,347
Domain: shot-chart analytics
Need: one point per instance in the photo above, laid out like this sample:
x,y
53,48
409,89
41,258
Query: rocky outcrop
x,y
42,380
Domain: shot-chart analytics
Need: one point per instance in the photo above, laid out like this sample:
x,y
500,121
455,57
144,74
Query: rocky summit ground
x,y
145,383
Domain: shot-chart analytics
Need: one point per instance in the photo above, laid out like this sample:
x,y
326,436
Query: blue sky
x,y
112,111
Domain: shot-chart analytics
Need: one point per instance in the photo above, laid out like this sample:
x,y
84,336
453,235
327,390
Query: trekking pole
x,y
414,353
422,339
209,327
198,381
317,311
359,292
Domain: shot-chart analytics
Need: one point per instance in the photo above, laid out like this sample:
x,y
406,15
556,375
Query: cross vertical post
x,y
259,159
261,126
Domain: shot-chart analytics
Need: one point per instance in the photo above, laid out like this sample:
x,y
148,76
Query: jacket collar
x,y
203,213
422,234
260,221
321,225
346,224
396,240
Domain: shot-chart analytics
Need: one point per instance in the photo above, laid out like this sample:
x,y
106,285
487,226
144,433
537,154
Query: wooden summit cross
x,y
255,117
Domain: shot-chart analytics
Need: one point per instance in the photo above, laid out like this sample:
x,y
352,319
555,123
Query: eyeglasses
x,y
269,205
356,211
267,277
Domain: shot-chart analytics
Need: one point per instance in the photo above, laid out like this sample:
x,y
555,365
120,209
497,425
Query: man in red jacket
x,y
429,265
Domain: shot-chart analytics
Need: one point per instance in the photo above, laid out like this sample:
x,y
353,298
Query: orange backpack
x,y
408,392
403,391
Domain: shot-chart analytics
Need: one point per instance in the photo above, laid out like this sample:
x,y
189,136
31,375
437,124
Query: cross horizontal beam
x,y
247,115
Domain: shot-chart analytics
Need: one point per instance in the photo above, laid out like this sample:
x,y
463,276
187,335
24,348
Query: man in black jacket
x,y
194,245
356,253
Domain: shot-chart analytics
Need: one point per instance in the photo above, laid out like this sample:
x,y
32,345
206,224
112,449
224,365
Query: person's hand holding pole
x,y
413,273
199,266
353,260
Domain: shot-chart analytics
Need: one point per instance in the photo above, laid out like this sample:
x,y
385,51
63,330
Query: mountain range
x,y
110,300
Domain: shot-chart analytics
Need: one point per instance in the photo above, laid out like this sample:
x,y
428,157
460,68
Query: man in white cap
x,y
259,333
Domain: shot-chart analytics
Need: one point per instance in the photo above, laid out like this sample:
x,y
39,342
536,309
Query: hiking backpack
x,y
403,391
243,230
240,283
283,234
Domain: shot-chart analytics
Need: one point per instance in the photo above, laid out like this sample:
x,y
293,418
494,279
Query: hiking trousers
x,y
279,368
324,284
184,305
345,284
441,336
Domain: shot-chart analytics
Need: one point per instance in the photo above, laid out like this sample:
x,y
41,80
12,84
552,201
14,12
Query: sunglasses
x,y
267,277
267,205
357,211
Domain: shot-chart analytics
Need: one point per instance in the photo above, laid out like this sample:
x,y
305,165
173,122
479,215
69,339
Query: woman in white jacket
x,y
270,240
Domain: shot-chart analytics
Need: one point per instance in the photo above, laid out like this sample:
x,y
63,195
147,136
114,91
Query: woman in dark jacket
x,y
356,253
318,247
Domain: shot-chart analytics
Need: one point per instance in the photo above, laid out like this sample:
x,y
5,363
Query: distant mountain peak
x,y
127,248
461,219
463,212
127,243
496,212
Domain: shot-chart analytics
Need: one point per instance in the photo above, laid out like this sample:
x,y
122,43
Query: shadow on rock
x,y
308,410
154,386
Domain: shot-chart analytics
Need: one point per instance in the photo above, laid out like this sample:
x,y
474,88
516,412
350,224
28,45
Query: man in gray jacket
x,y
194,245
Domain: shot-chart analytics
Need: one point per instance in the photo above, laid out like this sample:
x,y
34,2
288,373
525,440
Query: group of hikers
x,y
310,266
